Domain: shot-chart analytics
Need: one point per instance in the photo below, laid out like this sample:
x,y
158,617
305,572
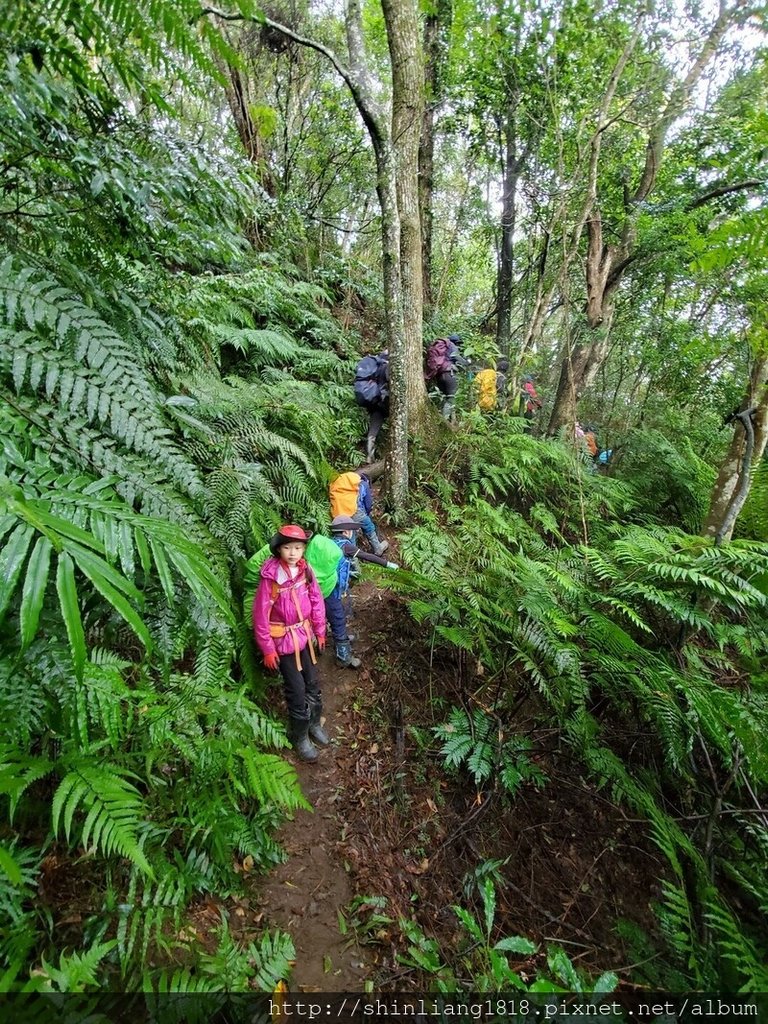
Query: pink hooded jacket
x,y
294,604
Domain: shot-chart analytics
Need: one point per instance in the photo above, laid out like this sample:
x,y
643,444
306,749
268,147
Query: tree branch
x,y
723,190
357,90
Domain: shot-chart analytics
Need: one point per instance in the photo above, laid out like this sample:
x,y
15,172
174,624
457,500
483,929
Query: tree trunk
x,y
397,455
512,167
402,22
236,90
731,487
437,23
427,151
577,373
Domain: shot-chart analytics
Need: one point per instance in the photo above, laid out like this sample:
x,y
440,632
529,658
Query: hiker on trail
x,y
288,617
590,441
604,458
442,362
330,558
351,495
372,394
343,531
585,439
492,387
530,399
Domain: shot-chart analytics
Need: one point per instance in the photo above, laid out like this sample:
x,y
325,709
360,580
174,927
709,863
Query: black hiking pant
x,y
449,385
298,686
376,415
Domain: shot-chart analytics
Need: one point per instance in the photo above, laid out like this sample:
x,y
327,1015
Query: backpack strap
x,y
279,629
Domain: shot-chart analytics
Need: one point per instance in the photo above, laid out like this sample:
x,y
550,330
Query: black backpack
x,y
371,379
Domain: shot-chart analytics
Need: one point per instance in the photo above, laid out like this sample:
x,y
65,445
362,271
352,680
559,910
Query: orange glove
x,y
271,662
321,643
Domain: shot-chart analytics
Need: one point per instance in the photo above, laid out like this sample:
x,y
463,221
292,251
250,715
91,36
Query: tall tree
x,y
401,19
611,249
747,447
396,186
437,22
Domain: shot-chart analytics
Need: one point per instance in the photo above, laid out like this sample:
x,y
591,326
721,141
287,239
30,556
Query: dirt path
x,y
305,895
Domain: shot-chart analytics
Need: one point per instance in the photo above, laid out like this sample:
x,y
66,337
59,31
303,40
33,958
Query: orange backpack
x,y
343,493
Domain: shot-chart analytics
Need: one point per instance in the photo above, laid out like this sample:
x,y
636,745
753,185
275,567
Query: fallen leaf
x,y
248,863
417,869
374,748
327,965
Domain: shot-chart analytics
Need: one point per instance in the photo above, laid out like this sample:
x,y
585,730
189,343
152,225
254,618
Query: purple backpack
x,y
438,358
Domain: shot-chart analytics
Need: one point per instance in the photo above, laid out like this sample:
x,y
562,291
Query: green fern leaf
x,y
12,559
33,592
67,591
114,812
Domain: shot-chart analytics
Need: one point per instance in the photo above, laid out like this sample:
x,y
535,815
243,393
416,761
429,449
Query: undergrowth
x,y
167,397
529,563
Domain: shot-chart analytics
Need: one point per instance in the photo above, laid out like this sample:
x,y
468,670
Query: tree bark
x,y
513,165
427,150
402,23
437,24
733,473
237,93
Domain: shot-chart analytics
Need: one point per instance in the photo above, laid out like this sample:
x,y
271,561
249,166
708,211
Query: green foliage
x,y
481,963
76,972
658,628
477,743
114,809
168,396
669,481
258,965
151,428
753,520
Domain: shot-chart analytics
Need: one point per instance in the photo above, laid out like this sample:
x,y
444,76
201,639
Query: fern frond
x,y
115,812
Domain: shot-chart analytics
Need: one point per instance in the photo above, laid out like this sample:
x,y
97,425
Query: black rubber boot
x,y
344,655
298,730
316,731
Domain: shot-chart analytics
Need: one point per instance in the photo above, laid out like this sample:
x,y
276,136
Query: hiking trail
x,y
310,892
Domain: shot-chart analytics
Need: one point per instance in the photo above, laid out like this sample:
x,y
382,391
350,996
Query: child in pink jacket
x,y
288,615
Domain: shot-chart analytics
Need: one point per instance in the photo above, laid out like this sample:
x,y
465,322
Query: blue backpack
x,y
371,377
344,569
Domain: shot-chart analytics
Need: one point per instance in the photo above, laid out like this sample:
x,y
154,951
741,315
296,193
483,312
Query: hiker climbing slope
x,y
491,387
443,361
372,394
351,495
330,559
529,400
343,531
